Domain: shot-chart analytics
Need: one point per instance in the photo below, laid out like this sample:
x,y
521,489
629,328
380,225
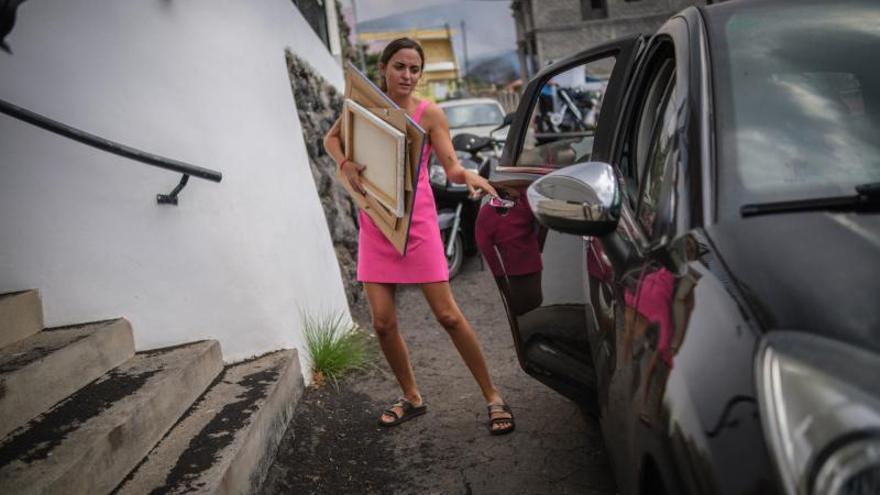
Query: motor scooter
x,y
456,210
568,110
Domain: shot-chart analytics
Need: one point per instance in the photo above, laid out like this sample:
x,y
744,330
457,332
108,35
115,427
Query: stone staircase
x,y
82,413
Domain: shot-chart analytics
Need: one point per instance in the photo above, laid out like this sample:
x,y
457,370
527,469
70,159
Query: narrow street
x,y
334,446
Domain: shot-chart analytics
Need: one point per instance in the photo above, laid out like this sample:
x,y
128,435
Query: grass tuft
x,y
335,346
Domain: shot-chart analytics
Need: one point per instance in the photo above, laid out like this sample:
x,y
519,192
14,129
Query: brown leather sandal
x,y
408,412
500,420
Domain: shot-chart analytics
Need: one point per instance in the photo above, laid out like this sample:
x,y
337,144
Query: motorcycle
x,y
568,110
456,210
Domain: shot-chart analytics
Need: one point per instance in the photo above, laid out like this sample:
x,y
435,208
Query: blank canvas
x,y
382,149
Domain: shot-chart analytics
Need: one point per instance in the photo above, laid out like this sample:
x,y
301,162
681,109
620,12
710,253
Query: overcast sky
x,y
489,23
373,9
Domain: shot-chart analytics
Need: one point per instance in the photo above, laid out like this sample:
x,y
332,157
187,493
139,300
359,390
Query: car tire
x,y
454,261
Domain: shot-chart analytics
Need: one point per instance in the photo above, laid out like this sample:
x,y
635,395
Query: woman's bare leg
x,y
384,313
442,302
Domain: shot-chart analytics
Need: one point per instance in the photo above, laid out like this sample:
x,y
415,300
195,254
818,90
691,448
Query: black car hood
x,y
817,272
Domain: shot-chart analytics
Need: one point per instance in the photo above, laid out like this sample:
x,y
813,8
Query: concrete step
x,y
46,367
21,315
90,441
228,439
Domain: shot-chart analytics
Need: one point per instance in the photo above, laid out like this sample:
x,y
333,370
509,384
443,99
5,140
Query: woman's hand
x,y
435,123
477,185
352,173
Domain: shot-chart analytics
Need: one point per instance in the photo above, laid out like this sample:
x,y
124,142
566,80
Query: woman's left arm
x,y
438,131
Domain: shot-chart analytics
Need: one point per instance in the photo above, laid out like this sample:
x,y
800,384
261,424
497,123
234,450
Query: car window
x,y
659,163
648,119
564,118
798,101
644,120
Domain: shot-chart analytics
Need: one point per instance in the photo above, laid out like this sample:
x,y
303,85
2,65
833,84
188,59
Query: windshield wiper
x,y
867,197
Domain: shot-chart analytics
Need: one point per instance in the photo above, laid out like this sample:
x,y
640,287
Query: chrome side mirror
x,y
582,199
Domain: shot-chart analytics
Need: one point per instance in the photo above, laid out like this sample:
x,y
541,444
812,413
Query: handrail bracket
x,y
171,198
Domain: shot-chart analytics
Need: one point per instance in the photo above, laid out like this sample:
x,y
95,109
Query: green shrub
x,y
335,346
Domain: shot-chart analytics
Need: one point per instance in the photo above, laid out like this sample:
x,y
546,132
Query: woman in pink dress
x,y
381,268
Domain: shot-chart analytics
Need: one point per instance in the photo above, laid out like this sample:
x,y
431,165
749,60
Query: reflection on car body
x,y
716,307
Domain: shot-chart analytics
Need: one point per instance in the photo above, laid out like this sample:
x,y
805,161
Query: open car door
x,y
567,112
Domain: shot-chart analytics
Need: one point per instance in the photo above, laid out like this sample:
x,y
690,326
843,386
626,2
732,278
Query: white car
x,y
474,116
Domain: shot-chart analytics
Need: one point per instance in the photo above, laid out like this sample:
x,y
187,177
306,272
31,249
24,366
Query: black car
x,y
703,272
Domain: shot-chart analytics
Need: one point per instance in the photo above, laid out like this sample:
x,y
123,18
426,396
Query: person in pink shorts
x,y
381,268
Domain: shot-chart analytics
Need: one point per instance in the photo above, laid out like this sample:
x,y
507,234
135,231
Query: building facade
x,y
201,82
549,30
441,75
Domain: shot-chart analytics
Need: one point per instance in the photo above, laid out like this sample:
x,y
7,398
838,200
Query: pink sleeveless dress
x,y
425,261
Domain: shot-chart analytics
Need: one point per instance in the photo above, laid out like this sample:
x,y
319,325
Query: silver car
x,y
476,116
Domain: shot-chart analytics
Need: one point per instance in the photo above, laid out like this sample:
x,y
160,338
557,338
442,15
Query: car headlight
x,y
820,408
437,175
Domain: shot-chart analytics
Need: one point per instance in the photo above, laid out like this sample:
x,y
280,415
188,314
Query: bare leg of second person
x,y
384,314
442,302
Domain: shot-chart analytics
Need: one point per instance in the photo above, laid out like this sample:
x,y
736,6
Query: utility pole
x,y
467,69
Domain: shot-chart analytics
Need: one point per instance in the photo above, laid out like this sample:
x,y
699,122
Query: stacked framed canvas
x,y
381,136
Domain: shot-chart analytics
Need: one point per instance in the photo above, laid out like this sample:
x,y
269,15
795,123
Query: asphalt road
x,y
333,445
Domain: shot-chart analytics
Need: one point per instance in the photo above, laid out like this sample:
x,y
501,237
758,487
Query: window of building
x,y
594,9
315,14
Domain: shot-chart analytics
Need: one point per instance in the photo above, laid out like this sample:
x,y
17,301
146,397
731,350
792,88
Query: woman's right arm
x,y
333,146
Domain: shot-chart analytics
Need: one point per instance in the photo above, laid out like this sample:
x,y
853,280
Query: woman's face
x,y
402,72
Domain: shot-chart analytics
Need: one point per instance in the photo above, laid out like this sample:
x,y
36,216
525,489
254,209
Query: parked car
x,y
478,116
703,272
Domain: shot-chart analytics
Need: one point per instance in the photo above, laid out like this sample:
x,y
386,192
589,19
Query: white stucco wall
x,y
202,81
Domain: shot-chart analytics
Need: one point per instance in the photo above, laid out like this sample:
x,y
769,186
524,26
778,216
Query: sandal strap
x,y
495,410
500,419
405,406
499,408
391,412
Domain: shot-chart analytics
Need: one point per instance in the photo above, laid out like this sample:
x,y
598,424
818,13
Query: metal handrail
x,y
109,146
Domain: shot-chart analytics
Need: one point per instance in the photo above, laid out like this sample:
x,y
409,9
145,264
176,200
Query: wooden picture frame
x,y
362,91
381,147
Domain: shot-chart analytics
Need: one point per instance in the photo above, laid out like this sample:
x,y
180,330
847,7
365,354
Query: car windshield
x,y
798,99
473,115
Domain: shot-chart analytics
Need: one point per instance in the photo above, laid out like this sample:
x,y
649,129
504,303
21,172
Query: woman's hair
x,y
394,47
